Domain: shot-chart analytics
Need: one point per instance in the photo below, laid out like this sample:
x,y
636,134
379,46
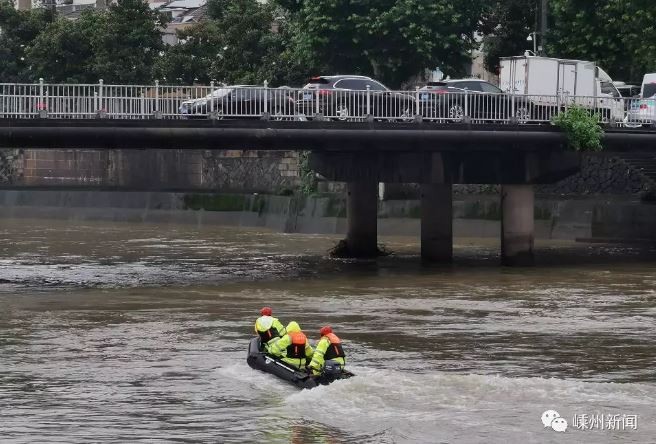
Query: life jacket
x,y
335,348
296,349
267,335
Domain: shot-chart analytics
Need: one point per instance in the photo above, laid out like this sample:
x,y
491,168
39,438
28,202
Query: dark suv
x,y
243,101
453,100
346,97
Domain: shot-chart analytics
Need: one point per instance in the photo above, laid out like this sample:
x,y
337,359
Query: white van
x,y
643,111
648,86
550,83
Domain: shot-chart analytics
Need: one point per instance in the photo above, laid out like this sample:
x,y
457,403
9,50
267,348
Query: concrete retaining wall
x,y
222,170
474,216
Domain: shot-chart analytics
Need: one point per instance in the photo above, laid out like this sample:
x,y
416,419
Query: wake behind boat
x,y
259,360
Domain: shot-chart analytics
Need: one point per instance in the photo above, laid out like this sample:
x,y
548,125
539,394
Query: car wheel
x,y
278,114
523,114
342,112
456,113
404,115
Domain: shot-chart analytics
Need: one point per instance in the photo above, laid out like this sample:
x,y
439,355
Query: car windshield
x,y
649,90
432,86
221,92
609,88
316,81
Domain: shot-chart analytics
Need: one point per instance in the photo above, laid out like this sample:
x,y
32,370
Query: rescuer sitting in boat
x,y
268,328
293,348
328,349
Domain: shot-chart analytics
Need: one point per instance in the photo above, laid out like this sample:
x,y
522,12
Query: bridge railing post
x,y
212,114
513,104
418,115
265,99
466,118
101,113
41,105
157,114
368,116
317,108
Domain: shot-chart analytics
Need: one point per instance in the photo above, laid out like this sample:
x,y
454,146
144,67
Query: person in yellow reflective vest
x,y
329,348
268,328
293,348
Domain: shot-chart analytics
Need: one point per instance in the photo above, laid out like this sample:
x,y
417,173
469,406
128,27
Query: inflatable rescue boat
x,y
259,360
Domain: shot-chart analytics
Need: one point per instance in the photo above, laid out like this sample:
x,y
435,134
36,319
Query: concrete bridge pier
x,y
436,223
362,218
517,225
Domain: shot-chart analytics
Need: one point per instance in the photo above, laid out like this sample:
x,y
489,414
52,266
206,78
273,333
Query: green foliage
x,y
127,43
308,176
582,129
236,46
118,45
215,202
617,34
391,40
505,25
17,30
64,51
192,59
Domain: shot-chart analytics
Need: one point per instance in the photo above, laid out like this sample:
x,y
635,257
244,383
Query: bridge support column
x,y
517,225
362,214
436,223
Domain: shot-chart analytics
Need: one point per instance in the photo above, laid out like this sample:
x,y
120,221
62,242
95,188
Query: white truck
x,y
552,84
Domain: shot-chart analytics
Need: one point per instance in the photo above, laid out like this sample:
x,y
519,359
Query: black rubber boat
x,y
268,364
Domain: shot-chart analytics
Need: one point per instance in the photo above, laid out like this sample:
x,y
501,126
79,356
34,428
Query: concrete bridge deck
x,y
283,135
362,154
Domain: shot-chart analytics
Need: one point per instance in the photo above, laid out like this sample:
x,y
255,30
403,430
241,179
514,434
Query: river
x,y
120,332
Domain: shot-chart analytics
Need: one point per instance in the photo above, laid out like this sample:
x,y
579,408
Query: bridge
x,y
391,137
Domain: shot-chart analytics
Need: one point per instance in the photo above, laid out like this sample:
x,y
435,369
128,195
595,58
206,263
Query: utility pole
x,y
544,26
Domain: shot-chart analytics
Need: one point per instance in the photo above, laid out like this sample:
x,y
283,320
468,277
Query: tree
x,y
617,34
505,26
237,45
64,51
389,39
127,43
17,30
190,61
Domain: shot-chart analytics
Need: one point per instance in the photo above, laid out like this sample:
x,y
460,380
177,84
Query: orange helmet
x,y
266,311
325,330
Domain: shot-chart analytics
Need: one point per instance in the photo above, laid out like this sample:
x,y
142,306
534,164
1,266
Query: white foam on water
x,y
414,407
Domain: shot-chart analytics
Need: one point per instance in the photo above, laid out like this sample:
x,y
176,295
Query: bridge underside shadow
x,y
360,154
517,172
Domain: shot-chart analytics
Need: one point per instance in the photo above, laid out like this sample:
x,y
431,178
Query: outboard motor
x,y
331,371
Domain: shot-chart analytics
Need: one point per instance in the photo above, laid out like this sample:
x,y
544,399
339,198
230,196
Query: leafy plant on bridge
x,y
582,129
307,174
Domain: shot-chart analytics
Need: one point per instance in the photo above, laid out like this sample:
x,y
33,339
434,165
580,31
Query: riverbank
x,y
616,218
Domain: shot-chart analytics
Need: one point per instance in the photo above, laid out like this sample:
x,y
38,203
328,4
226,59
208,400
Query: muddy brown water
x,y
118,332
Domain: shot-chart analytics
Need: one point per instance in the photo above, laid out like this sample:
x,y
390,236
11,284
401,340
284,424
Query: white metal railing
x,y
82,101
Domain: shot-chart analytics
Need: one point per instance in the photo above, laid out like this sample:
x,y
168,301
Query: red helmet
x,y
325,330
266,311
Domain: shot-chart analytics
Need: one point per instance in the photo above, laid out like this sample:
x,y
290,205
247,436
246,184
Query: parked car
x,y
648,86
643,111
243,101
347,97
628,91
453,100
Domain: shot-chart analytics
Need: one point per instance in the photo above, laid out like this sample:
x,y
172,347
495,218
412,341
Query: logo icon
x,y
552,418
